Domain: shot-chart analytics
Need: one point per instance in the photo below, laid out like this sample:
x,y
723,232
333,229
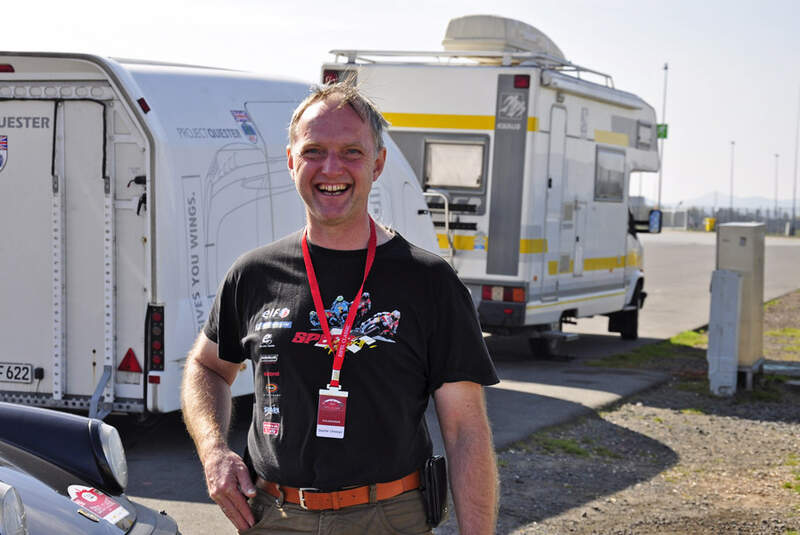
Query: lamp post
x,y
776,185
733,145
794,186
661,141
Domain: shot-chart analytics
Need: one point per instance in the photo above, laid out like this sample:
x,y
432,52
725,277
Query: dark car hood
x,y
43,488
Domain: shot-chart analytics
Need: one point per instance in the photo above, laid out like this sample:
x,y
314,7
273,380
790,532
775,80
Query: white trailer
x,y
526,164
127,188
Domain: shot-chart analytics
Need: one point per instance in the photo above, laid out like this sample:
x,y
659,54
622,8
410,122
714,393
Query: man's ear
x,y
380,161
290,160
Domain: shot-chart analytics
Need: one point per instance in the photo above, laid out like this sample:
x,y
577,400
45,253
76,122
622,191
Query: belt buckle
x,y
301,491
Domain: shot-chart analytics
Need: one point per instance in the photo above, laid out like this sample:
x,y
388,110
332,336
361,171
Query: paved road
x,y
165,473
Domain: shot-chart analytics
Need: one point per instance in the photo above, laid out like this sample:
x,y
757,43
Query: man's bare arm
x,y
206,403
472,464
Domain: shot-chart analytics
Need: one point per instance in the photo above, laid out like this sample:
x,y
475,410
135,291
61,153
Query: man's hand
x,y
206,403
229,485
470,454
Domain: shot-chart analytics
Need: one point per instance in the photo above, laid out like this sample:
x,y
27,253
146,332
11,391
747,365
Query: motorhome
x,y
127,188
525,159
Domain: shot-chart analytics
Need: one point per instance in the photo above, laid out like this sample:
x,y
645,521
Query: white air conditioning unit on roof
x,y
493,33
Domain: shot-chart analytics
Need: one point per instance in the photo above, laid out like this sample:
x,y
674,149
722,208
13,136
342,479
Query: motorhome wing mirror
x,y
651,225
654,222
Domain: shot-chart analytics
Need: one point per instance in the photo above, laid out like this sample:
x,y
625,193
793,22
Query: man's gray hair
x,y
348,94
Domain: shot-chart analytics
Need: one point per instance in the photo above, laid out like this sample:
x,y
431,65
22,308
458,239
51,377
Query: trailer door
x,y
26,257
57,247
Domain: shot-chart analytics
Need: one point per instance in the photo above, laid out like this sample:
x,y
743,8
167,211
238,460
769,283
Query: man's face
x,y
333,163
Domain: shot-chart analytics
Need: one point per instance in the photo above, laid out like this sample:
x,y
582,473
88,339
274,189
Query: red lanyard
x,y
338,346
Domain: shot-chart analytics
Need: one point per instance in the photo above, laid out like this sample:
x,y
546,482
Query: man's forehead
x,y
331,105
324,115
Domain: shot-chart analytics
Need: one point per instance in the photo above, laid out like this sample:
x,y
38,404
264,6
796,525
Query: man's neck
x,y
346,237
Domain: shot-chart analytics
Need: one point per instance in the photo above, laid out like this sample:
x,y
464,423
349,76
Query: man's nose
x,y
332,165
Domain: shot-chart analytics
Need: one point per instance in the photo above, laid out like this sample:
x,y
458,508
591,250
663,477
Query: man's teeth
x,y
332,188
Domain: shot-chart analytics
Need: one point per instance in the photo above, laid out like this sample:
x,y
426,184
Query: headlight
x,y
110,454
12,512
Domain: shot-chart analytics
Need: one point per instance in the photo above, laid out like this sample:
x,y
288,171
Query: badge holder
x,y
331,412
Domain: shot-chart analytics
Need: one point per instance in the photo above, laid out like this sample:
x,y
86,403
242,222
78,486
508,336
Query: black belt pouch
x,y
434,490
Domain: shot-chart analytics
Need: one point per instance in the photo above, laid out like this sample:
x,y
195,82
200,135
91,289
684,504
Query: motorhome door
x,y
554,260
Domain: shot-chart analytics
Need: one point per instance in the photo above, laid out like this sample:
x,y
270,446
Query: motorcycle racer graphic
x,y
382,324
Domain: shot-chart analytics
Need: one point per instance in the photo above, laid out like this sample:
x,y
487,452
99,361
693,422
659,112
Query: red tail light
x,y
513,294
154,338
5,67
522,81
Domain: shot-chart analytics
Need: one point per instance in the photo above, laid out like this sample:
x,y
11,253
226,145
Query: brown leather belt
x,y
312,499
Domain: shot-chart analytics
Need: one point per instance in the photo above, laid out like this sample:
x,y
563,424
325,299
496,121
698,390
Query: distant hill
x,y
723,201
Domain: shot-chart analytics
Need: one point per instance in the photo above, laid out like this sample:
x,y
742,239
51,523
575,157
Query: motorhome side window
x,y
609,178
454,165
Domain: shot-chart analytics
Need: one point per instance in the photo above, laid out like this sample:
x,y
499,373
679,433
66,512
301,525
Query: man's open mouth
x,y
333,189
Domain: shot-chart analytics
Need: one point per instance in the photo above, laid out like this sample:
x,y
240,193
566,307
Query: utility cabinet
x,y
740,248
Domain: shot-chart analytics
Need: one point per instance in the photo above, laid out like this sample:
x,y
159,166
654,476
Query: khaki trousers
x,y
401,515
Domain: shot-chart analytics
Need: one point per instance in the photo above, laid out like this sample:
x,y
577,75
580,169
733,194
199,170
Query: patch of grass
x,y
690,338
768,390
786,332
687,344
658,420
602,451
560,445
698,387
792,532
502,463
692,411
792,460
771,303
792,486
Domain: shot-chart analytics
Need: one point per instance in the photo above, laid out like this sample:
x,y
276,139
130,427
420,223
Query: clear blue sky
x,y
734,65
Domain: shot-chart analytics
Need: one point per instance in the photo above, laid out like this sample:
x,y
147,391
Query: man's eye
x,y
312,152
352,153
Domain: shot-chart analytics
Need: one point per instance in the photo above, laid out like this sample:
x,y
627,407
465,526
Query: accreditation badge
x,y
331,413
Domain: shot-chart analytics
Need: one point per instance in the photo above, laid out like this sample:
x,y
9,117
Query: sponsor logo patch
x,y
271,388
264,325
271,409
271,428
268,358
242,117
3,151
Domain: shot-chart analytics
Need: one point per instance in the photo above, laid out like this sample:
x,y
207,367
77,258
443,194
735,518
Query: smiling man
x,y
350,330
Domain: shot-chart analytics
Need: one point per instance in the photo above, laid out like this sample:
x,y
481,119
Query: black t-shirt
x,y
416,329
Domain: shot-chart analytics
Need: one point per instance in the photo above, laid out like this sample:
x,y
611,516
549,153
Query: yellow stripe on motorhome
x,y
611,138
436,120
533,124
609,263
527,246
462,242
557,303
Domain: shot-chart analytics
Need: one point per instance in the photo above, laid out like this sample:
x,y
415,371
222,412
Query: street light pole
x,y
776,185
733,144
661,141
794,186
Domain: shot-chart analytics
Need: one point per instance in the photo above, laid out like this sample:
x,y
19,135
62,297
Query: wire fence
x,y
696,218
